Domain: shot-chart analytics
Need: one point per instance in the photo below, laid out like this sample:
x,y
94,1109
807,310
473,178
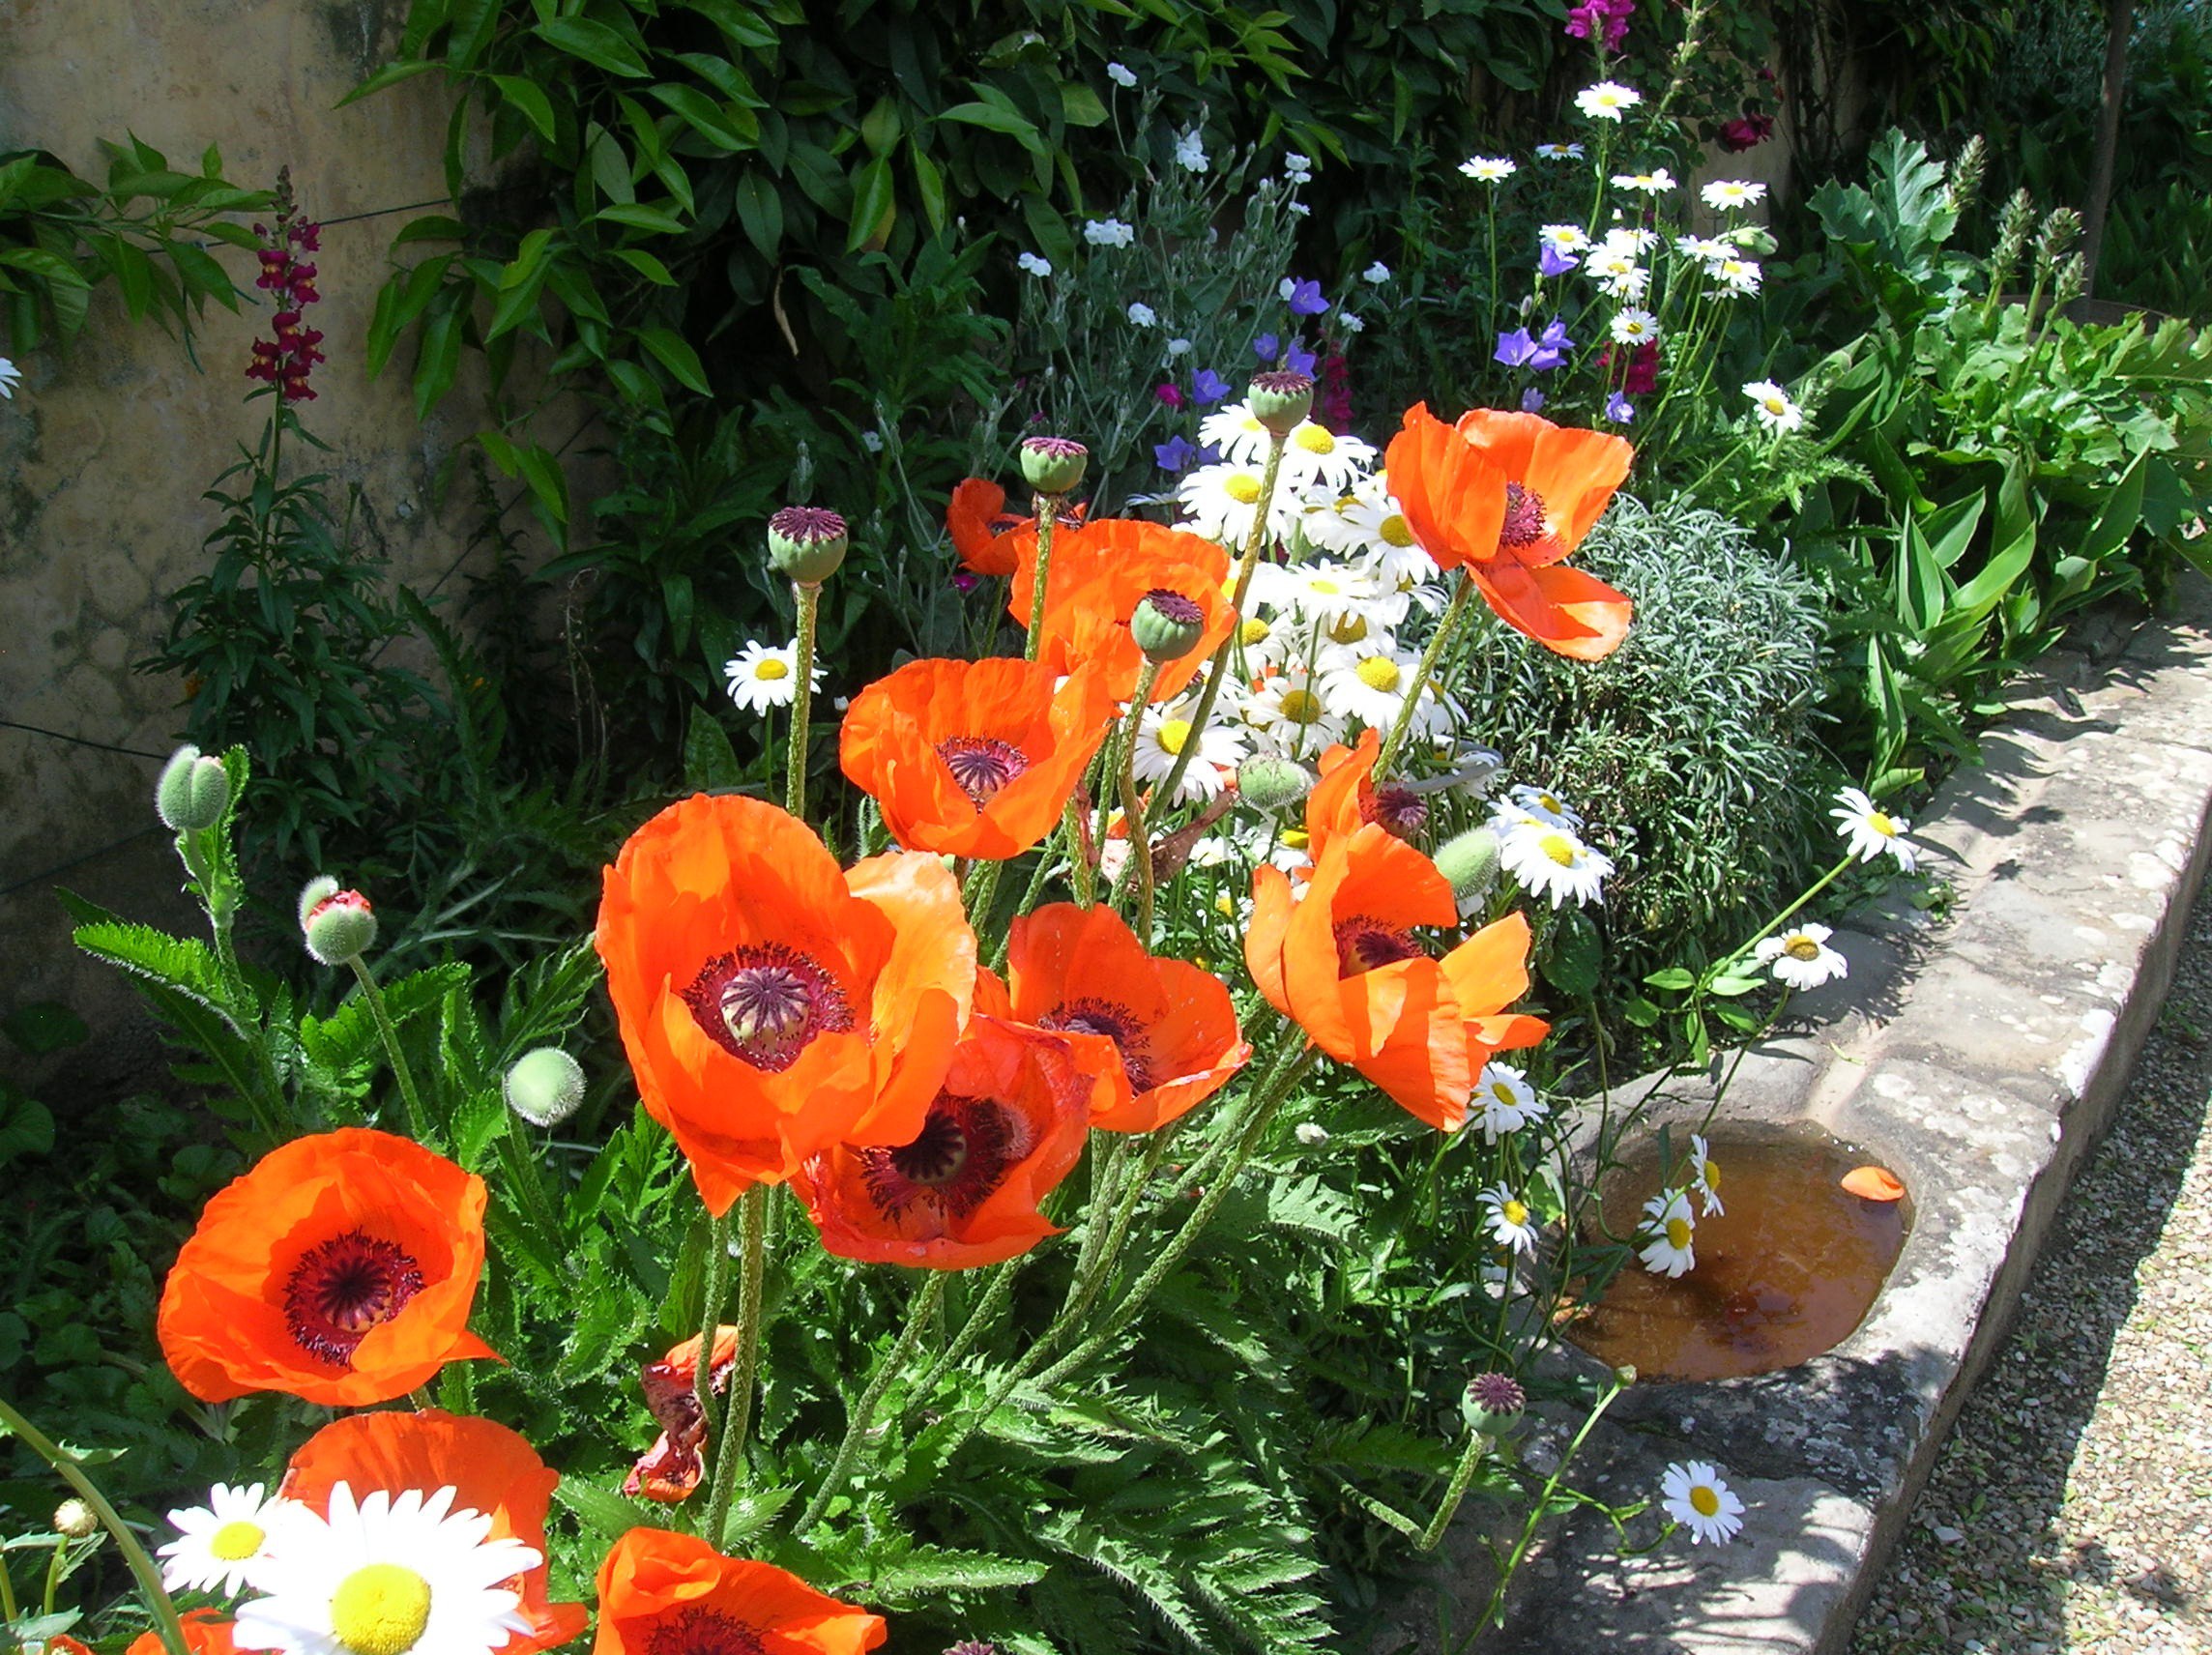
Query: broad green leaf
x,y
594,42
529,102
677,357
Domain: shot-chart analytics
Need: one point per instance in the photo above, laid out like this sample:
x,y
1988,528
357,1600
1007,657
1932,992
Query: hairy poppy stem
x,y
1132,812
1438,639
807,596
1048,508
919,1314
417,1121
995,1298
142,1569
1218,668
715,1289
738,1419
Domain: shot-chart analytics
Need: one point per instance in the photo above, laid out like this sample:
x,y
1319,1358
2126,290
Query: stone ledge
x,y
1981,1058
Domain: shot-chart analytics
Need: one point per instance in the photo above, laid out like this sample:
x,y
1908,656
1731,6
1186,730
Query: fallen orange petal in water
x,y
1874,1184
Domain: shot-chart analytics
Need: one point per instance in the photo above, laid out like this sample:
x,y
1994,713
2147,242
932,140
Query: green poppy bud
x,y
1280,400
545,1086
806,543
1167,626
1054,465
1272,783
193,792
337,924
1471,864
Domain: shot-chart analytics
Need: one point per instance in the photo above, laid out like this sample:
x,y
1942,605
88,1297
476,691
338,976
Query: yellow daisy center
x,y
236,1541
1243,488
769,668
1172,734
1301,706
1380,672
1396,531
1882,823
1775,405
1323,586
1705,1502
1678,1233
1297,838
380,1609
1314,439
1515,1214
1348,629
1559,848
1254,631
1224,906
1802,948
1503,1093
1712,1174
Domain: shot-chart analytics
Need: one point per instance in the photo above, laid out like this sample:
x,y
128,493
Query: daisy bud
x,y
1167,626
1492,1403
545,1086
1471,864
1054,465
1273,784
75,1519
1280,400
193,791
337,924
806,543
1311,1133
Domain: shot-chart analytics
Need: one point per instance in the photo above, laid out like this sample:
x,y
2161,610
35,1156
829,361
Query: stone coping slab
x,y
1979,1057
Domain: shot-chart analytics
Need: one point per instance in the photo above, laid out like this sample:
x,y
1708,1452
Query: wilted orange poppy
x,y
670,1469
1174,1030
974,758
1099,575
207,1632
491,1470
1345,964
663,1593
964,1191
341,1269
1506,496
770,1002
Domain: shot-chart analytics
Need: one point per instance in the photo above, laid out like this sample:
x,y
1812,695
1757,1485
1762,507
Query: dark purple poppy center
x,y
1175,606
1118,1023
980,766
1363,944
343,1288
1401,810
1524,517
703,1632
765,1004
955,1163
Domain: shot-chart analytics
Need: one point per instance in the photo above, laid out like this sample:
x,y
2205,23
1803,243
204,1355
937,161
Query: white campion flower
x,y
1121,75
1190,151
1178,347
1350,321
1108,233
1607,101
1037,263
1376,273
1143,315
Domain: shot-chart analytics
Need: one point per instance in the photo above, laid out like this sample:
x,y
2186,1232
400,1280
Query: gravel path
x,y
2070,1508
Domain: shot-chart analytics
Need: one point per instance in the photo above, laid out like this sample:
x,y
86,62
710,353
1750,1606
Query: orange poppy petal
x,y
1265,935
1569,612
1874,1184
1452,495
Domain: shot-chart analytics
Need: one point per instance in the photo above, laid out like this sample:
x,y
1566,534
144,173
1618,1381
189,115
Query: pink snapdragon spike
x,y
289,357
1608,19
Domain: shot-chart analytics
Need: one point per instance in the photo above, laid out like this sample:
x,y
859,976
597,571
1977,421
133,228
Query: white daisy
x,y
217,1542
1673,1232
1740,276
762,677
1705,1175
1314,454
1036,264
1634,327
1704,249
1564,237
1373,526
1629,239
1164,731
1871,830
1726,192
1327,593
1696,1496
1554,862
1559,152
1618,274
1801,958
1222,502
1108,233
1370,680
1503,1101
1263,643
11,376
1657,182
1235,430
394,1575
1772,406
1289,712
1607,101
1488,169
1545,806
1509,1221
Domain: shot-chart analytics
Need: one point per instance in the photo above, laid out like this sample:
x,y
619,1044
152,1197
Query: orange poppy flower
x,y
491,1470
1099,574
982,535
964,1190
670,1469
770,1002
62,1643
1506,497
207,1632
341,1269
1345,964
1346,797
1172,1029
663,1593
974,758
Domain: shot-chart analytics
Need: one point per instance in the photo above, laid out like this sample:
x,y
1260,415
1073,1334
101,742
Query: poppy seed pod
x,y
1273,784
193,792
1471,862
1054,465
338,924
1280,400
1491,1404
1167,626
545,1086
806,543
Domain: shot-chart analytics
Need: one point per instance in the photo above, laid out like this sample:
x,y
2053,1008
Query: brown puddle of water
x,y
1789,1271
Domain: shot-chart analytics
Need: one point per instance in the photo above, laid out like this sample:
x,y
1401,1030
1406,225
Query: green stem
x,y
8,1610
1493,1615
715,1288
142,1566
1446,624
918,1316
55,1573
1132,812
737,1421
808,600
995,1298
1462,1478
1047,507
417,1121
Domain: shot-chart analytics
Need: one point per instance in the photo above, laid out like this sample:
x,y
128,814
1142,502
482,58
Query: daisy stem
x,y
1047,507
417,1121
55,1573
1493,1616
716,1288
918,1316
142,1566
1775,924
807,597
1438,640
8,1608
738,1419
1218,667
